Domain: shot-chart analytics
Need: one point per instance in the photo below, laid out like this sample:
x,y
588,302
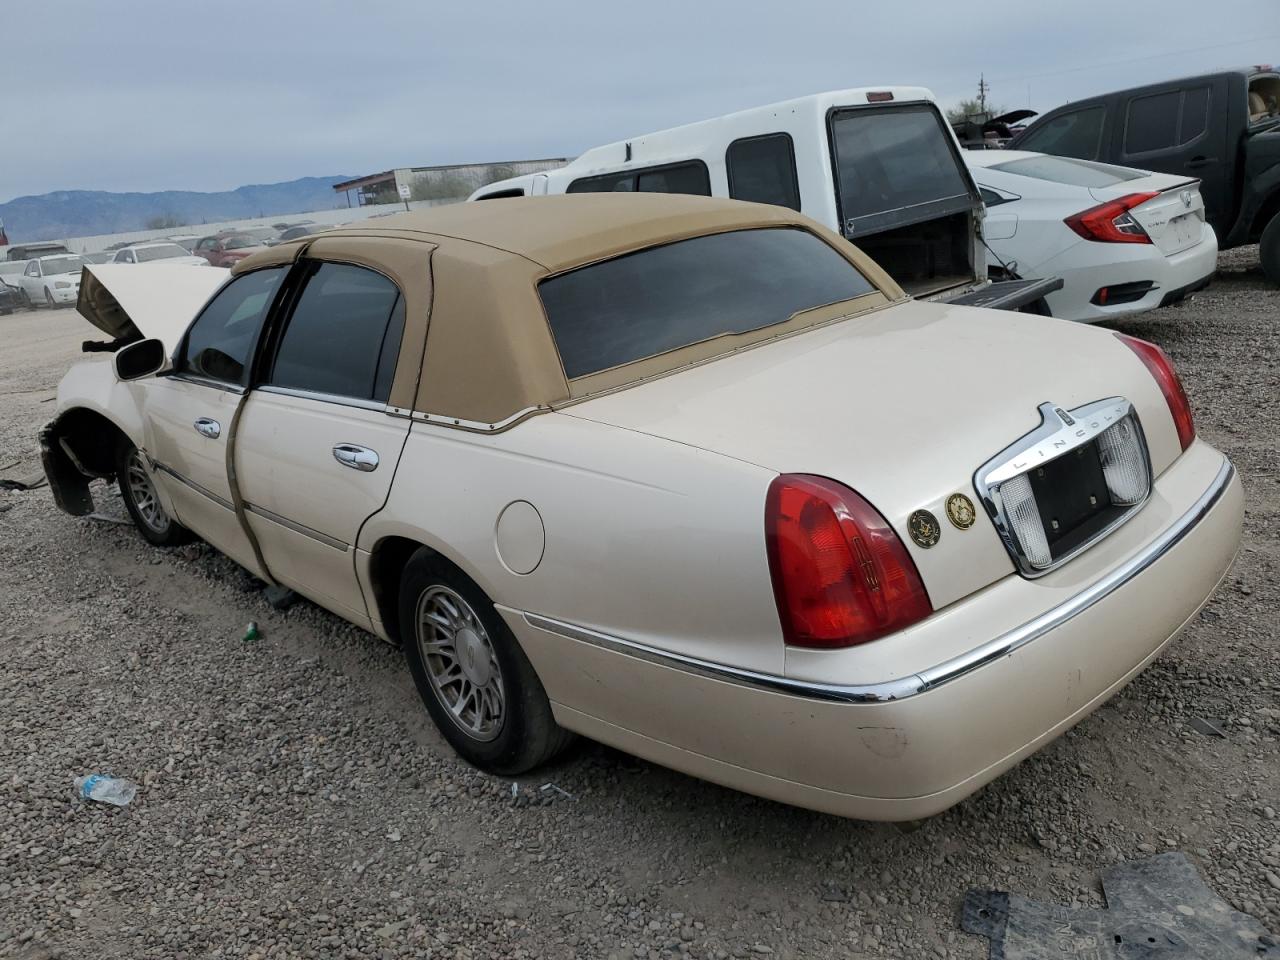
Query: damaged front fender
x,y
68,483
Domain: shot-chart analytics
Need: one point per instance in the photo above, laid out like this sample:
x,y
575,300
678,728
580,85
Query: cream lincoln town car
x,y
690,477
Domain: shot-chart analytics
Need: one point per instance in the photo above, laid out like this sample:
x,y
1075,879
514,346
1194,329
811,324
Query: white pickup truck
x,y
880,165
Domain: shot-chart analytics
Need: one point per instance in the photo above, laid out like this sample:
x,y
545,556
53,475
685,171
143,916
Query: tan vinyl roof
x,y
469,273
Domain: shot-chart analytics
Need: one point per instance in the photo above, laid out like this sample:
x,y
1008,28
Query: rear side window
x,y
688,177
343,336
763,170
652,301
1152,122
220,342
1074,134
1195,114
1068,170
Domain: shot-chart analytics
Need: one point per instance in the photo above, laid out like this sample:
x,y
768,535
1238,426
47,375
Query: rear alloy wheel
x,y
138,490
474,679
48,299
1269,250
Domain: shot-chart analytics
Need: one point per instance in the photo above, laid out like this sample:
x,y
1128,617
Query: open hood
x,y
146,300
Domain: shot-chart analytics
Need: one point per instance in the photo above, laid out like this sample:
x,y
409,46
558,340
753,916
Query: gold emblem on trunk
x,y
960,511
924,528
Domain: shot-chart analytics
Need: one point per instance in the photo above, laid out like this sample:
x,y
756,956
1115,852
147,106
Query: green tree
x,y
165,221
971,108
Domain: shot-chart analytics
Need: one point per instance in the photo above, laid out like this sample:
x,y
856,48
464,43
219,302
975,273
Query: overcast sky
x,y
171,94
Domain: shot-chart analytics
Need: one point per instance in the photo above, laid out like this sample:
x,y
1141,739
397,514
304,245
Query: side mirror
x,y
140,359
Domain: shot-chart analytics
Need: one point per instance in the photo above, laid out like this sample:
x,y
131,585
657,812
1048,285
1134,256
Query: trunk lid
x,y
902,406
146,300
1174,219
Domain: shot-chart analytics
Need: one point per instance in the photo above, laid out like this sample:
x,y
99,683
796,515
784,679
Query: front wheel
x,y
138,490
474,679
1269,250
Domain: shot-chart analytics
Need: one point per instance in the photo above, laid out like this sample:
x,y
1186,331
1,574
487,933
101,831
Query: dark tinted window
x,y
684,178
889,159
1152,122
991,198
1195,114
221,340
763,170
667,297
1074,134
338,337
675,178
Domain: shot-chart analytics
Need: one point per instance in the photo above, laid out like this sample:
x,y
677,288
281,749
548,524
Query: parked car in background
x,y
301,230
185,240
1221,128
226,249
879,165
161,251
53,281
688,476
102,256
29,251
260,234
1122,240
10,297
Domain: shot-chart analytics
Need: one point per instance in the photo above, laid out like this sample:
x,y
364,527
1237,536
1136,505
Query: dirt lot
x,y
295,800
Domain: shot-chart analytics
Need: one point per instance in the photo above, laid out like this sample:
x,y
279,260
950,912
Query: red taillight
x,y
1161,368
1112,222
840,574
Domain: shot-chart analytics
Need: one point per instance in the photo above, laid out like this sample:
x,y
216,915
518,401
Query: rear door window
x,y
343,336
222,339
1074,134
763,170
1151,122
656,300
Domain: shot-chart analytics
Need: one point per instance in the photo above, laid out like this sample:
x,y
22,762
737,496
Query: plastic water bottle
x,y
105,789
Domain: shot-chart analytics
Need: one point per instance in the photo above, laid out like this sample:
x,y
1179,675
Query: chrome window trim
x,y
328,541
334,398
208,382
187,481
474,426
932,677
1059,433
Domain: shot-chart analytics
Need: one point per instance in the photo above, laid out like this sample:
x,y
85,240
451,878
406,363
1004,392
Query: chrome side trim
x,y
932,677
208,382
296,527
333,398
220,501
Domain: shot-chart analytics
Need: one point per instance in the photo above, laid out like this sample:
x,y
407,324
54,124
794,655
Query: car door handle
x,y
208,428
356,457
1195,163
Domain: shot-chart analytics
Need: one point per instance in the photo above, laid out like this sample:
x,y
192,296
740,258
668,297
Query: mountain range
x,y
87,213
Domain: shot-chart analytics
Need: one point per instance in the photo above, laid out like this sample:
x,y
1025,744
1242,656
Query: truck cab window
x,y
1074,134
763,170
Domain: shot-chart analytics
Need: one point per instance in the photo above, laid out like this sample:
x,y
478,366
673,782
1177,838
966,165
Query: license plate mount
x,y
1071,494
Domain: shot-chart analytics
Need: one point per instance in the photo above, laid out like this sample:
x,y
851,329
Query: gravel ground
x,y
294,799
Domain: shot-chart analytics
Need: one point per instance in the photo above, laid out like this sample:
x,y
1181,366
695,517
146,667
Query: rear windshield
x,y
1079,173
159,252
664,298
891,158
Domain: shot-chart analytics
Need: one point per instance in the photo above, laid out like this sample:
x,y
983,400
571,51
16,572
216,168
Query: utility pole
x,y
983,89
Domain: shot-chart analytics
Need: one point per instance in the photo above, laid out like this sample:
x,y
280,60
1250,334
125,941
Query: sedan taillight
x,y
1161,368
1112,222
840,574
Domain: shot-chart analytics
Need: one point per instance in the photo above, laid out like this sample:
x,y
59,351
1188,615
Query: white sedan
x,y
1122,240
53,280
691,477
165,252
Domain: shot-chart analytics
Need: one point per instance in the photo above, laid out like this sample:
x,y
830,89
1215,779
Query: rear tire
x,y
475,681
138,491
1269,250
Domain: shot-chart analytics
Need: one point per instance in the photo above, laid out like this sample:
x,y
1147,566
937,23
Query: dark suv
x,y
1222,128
